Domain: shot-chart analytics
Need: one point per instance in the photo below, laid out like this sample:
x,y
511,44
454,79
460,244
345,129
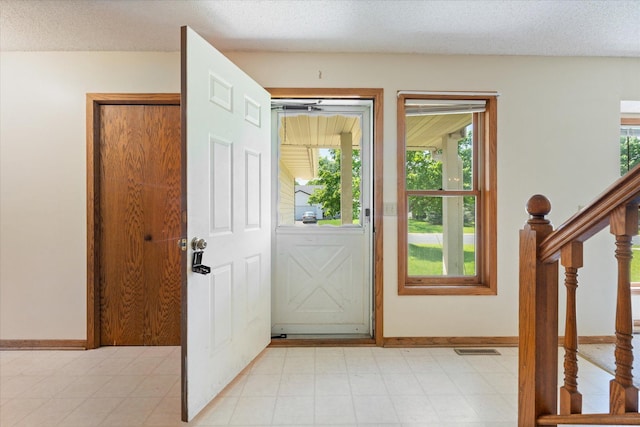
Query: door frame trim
x,y
93,103
376,94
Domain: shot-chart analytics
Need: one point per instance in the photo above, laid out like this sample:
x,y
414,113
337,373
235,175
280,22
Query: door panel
x,y
122,155
140,224
228,185
162,226
322,286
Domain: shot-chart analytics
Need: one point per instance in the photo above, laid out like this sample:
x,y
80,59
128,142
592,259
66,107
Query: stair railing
x,y
541,247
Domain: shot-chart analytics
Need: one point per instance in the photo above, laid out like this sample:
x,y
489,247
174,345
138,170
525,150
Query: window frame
x,y
485,162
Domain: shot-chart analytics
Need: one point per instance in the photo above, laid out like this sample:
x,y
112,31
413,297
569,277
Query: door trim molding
x,y
323,342
376,94
93,103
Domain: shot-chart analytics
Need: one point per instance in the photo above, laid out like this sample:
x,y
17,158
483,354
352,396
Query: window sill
x,y
446,290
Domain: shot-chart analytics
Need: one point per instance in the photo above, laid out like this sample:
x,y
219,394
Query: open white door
x,y
226,130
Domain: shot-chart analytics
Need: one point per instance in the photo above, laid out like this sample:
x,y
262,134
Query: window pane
x,y
334,170
439,152
635,261
441,236
629,147
319,176
629,158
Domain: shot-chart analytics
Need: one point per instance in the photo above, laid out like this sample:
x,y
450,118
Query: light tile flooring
x,y
350,386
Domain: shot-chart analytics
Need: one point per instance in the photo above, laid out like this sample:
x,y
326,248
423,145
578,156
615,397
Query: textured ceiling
x,y
551,28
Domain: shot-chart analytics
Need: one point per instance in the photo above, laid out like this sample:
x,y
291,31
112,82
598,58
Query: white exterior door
x,y
322,280
226,124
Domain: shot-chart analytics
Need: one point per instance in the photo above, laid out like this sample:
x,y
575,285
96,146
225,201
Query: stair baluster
x,y
570,397
623,395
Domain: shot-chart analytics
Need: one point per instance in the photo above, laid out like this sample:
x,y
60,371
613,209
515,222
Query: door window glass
x,y
320,166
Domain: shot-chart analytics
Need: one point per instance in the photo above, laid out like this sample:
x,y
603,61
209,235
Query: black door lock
x,y
196,264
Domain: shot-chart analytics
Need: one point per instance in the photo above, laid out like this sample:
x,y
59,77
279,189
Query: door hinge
x,y
183,244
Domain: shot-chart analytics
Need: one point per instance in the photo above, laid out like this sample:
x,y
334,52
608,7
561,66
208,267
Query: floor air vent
x,y
477,351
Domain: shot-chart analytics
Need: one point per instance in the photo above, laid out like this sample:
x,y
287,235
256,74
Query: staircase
x,y
542,250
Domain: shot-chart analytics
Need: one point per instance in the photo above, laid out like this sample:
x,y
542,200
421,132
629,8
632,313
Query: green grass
x,y
635,264
416,226
426,259
335,221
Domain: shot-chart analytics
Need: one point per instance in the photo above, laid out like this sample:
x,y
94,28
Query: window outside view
x,y
629,158
320,169
326,192
441,187
447,184
428,251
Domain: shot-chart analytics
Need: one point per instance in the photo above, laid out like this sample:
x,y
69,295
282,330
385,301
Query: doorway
x,y
134,220
327,216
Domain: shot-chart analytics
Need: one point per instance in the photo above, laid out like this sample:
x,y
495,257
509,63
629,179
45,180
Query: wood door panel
x,y
140,217
122,155
162,227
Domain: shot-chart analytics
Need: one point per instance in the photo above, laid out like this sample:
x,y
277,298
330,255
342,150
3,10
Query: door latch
x,y
196,264
198,246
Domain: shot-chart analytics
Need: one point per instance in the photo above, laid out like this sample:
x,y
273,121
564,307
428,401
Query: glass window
x,y
629,145
629,158
446,194
320,173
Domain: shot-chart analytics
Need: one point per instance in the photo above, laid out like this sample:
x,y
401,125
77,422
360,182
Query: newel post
x,y
538,321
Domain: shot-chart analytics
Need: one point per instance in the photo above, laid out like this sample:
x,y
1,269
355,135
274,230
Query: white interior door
x,y
226,124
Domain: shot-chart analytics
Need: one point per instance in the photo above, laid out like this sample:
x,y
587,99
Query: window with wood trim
x,y
447,194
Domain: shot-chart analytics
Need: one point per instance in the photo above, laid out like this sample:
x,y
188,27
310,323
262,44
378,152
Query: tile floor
x,y
323,386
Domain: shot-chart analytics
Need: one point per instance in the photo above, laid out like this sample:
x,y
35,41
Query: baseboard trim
x,y
387,342
450,342
595,339
481,341
43,344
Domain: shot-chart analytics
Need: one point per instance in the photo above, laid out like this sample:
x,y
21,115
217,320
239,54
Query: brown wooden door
x,y
139,224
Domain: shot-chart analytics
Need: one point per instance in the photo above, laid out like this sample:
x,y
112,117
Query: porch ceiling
x,y
426,132
302,136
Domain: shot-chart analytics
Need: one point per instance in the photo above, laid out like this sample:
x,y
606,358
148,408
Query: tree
x,y
423,172
629,153
329,177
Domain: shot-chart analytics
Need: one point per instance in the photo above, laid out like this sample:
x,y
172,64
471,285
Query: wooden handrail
x,y
541,249
594,217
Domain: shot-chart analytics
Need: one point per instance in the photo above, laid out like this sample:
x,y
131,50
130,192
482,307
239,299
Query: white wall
x,y
43,180
558,124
